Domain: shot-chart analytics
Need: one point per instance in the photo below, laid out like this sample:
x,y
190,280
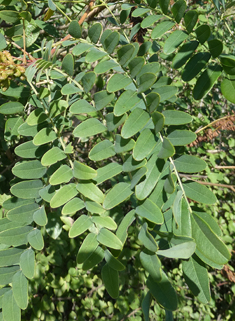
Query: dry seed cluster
x,y
9,70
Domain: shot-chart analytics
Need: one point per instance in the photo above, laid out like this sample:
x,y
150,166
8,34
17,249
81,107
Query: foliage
x,y
99,183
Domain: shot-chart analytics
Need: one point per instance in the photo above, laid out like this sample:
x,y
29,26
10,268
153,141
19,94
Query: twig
x,y
25,52
232,187
130,314
212,123
224,167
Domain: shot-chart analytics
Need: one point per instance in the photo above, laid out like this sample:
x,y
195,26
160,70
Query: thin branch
x,y
232,187
224,167
212,123
25,52
130,314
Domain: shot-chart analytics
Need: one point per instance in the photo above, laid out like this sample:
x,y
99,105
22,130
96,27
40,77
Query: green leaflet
x,y
181,137
227,88
75,29
203,33
37,116
7,273
23,214
147,239
155,168
123,145
90,191
11,108
73,206
113,262
10,309
107,172
45,135
180,251
164,4
53,156
210,249
152,265
109,239
68,64
215,47
144,144
131,164
137,176
178,10
89,127
102,150
113,122
165,92
84,172
94,54
167,149
169,185
81,106
110,279
199,193
104,66
161,28
153,100
134,123
147,300
175,117
10,256
26,130
63,195
196,276
111,41
104,221
27,189
195,65
102,99
20,289
150,211
145,81
62,175
125,53
117,82
70,89
190,20
184,53
94,32
29,150
88,81
119,193
182,217
29,169
27,262
35,239
126,102
124,225
206,81
81,48
80,226
94,258
189,164
163,292
40,216
150,20
136,65
174,40
88,246
210,220
94,207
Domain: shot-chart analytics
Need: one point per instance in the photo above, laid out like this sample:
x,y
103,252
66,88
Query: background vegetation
x,y
58,94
